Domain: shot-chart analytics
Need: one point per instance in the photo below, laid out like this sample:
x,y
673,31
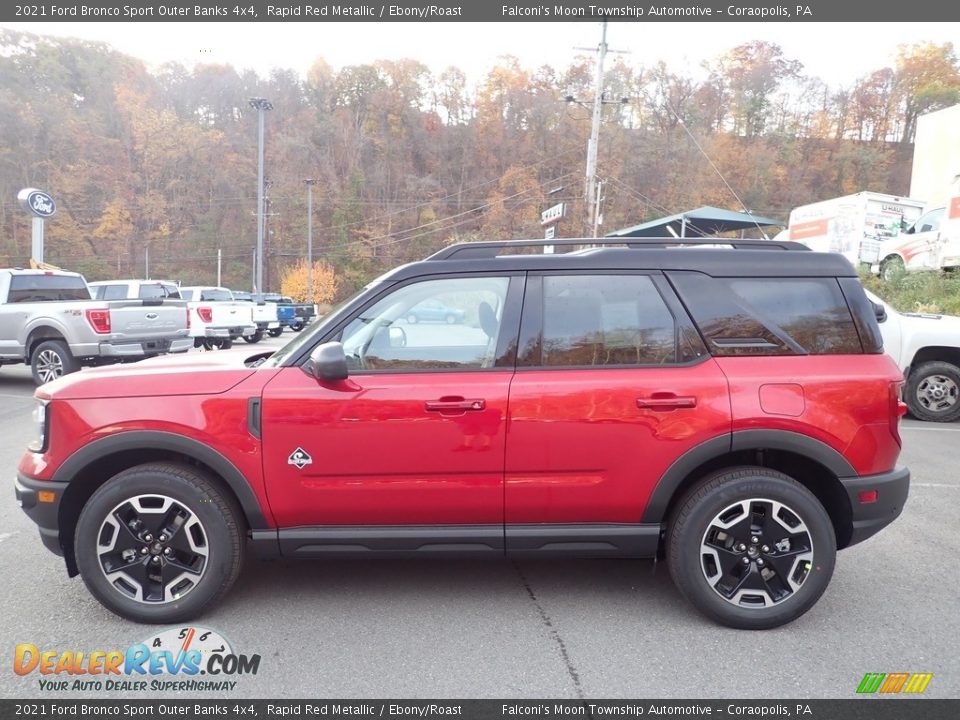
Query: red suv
x,y
728,408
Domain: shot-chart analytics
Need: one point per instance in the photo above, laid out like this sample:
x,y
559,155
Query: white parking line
x,y
935,485
7,536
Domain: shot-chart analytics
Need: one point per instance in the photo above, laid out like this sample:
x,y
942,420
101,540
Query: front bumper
x,y
869,518
44,509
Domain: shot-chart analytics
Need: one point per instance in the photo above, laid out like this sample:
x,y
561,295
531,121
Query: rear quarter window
x,y
770,316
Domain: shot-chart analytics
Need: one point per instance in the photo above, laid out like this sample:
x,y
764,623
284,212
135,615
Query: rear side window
x,y
606,320
215,294
186,294
47,288
770,316
113,292
153,291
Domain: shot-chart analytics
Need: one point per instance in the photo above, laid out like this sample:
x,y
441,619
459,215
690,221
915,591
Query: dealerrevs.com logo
x,y
190,659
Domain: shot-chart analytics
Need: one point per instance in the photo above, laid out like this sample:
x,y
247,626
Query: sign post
x,y
41,206
548,220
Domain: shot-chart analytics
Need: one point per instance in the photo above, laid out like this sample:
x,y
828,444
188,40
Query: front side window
x,y
452,323
931,221
591,320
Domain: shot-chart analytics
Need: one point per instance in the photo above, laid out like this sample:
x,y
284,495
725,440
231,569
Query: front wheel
x,y
933,392
50,360
892,268
275,332
751,548
254,338
158,543
297,326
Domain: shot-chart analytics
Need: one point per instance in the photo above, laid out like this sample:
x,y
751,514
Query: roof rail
x,y
492,248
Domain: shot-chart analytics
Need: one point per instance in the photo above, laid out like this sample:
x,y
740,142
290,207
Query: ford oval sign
x,y
37,202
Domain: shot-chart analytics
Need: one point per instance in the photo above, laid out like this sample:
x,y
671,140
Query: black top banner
x,y
487,11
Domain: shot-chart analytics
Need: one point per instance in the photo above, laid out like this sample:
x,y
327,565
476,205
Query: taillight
x,y
898,409
188,318
205,313
99,320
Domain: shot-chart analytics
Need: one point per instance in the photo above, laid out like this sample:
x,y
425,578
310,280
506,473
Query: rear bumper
x,y
120,349
44,513
228,332
868,518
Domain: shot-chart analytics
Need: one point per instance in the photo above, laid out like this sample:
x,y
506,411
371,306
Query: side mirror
x,y
398,337
879,311
327,363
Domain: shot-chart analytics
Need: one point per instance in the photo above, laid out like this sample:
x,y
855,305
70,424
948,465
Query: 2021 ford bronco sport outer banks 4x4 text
x,y
728,407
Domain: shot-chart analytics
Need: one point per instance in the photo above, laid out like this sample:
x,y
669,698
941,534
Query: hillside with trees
x,y
407,160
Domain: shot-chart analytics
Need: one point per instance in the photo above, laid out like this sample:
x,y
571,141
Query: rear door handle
x,y
664,401
455,405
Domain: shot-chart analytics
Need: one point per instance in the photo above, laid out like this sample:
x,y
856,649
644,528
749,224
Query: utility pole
x,y
591,177
146,261
592,215
310,183
261,105
219,265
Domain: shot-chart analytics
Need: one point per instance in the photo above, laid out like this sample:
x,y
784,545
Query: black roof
x,y
743,258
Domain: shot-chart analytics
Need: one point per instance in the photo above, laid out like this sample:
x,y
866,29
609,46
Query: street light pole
x,y
310,182
261,105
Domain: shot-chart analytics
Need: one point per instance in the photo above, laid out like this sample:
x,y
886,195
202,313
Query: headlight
x,y
40,419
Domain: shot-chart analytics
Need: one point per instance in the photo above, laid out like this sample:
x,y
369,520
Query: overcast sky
x,y
838,53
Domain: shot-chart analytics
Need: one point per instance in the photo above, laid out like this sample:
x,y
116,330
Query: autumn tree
x,y
325,282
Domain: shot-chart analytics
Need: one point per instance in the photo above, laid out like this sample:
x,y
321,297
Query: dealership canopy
x,y
697,223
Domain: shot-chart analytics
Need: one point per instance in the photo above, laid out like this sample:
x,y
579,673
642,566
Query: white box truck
x,y
854,225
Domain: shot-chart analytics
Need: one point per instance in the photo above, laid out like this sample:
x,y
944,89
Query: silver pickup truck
x,y
49,321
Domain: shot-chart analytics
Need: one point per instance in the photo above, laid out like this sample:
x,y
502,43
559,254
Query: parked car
x,y
729,409
303,313
49,320
216,319
927,348
266,315
433,310
133,289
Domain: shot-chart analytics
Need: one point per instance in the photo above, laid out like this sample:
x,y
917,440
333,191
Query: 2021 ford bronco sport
x,y
727,408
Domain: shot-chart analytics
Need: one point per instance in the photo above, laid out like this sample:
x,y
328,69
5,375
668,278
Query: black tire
x,y
297,326
223,343
451,319
412,319
732,596
275,332
50,360
892,268
255,338
933,392
214,526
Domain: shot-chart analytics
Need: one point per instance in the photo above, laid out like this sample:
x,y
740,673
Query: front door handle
x,y
457,404
666,401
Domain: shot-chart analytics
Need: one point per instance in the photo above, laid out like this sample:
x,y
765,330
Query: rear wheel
x,y
275,332
933,392
751,548
158,543
451,319
50,360
254,338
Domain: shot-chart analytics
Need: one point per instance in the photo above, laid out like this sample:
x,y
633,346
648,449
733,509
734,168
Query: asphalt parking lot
x,y
559,628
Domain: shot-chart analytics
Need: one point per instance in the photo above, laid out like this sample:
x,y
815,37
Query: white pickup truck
x,y
49,321
927,349
265,315
216,319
